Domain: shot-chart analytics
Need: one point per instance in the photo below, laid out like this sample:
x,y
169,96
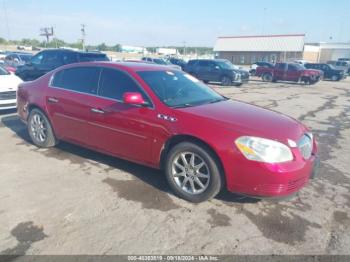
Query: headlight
x,y
263,150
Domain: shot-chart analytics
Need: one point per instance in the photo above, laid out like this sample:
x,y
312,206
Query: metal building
x,y
245,50
323,52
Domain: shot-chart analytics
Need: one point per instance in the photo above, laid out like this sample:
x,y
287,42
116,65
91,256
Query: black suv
x,y
50,59
217,70
329,71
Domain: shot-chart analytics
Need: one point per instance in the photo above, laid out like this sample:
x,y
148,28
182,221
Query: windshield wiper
x,y
183,105
218,100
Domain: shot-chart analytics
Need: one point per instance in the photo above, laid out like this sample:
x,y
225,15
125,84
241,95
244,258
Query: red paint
x,y
136,133
285,74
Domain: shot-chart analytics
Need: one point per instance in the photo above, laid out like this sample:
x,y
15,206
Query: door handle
x,y
97,111
52,100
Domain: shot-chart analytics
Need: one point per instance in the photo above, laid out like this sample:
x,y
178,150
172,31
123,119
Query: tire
x,y
335,78
226,81
238,84
206,81
306,81
183,177
253,72
40,129
267,77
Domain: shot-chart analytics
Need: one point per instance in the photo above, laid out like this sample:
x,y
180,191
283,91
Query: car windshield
x,y
299,66
226,65
177,89
331,67
3,71
25,58
160,61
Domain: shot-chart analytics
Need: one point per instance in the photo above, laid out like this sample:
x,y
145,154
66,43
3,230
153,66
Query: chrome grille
x,y
305,145
8,95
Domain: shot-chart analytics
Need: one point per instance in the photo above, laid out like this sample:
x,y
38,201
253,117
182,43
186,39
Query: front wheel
x,y
192,172
226,81
40,129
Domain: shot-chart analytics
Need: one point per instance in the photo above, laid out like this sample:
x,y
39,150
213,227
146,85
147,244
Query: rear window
x,y
79,79
89,57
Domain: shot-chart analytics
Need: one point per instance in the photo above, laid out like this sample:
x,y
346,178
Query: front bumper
x,y
263,180
8,104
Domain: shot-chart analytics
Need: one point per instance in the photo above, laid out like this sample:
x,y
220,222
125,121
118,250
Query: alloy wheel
x,y
38,128
190,173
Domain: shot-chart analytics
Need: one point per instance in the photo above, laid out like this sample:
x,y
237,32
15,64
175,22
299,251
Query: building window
x,y
242,60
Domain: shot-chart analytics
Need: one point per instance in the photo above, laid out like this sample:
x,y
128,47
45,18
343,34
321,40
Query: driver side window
x,y
37,59
114,83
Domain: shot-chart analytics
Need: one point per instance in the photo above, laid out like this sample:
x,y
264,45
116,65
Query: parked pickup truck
x,y
289,72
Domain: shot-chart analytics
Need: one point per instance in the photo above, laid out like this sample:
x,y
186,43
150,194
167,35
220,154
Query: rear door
x,y
203,70
280,71
70,95
120,129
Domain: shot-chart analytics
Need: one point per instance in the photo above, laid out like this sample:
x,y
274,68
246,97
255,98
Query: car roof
x,y
127,66
72,51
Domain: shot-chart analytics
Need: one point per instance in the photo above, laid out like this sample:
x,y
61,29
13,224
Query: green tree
x,y
102,47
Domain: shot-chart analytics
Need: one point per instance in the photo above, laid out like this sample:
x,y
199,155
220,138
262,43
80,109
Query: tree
x,y
102,47
117,48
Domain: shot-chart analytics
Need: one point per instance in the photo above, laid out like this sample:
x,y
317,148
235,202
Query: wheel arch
x,y
176,139
36,106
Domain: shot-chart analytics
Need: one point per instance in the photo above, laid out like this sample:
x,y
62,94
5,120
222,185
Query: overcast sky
x,y
173,22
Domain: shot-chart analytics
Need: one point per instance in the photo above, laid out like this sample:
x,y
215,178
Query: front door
x,y
117,128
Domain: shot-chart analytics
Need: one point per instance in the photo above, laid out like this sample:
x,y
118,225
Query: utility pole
x,y
47,32
83,34
184,48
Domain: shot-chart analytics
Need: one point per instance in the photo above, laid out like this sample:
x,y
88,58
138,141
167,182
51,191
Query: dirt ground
x,y
69,200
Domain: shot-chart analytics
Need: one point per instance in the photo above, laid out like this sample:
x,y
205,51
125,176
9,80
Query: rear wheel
x,y
335,78
40,129
192,172
226,81
267,77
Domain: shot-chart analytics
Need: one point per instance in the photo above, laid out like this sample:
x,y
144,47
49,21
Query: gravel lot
x,y
69,200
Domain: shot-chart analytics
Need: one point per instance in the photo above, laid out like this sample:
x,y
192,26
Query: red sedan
x,y
167,119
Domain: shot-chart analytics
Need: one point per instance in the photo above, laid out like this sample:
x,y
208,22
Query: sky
x,y
175,22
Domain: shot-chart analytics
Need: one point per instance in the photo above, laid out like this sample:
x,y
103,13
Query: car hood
x,y
9,82
247,119
312,71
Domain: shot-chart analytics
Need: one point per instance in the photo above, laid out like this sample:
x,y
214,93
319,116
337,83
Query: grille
x,y
305,146
8,95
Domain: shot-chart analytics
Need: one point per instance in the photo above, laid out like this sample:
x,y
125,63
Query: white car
x,y
8,87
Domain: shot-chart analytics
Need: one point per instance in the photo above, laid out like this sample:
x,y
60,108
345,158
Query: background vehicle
x,y
217,70
329,72
8,87
161,61
50,59
16,59
254,66
169,120
342,65
344,59
301,62
289,72
179,62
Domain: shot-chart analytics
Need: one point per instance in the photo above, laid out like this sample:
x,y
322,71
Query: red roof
x,y
253,36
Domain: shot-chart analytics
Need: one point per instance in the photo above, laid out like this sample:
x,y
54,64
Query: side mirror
x,y
133,98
